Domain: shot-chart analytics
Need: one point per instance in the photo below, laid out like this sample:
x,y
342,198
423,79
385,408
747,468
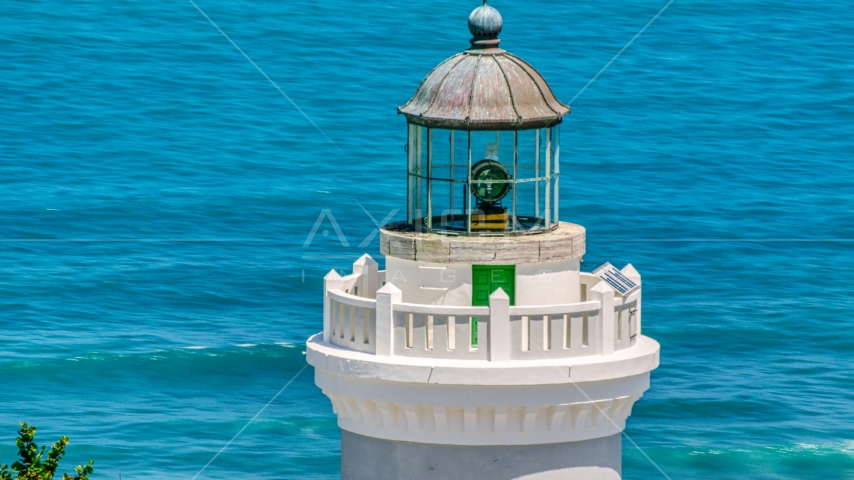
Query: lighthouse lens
x,y
483,173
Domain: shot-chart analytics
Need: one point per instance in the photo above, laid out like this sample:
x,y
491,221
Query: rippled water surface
x,y
157,191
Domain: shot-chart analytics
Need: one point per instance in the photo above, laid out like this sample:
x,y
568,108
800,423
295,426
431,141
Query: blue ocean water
x,y
155,290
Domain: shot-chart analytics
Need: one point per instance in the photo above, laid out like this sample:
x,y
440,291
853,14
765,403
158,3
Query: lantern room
x,y
483,149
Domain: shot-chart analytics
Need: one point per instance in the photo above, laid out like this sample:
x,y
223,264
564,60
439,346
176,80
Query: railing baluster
x,y
352,323
366,326
567,331
526,333
547,333
341,320
334,317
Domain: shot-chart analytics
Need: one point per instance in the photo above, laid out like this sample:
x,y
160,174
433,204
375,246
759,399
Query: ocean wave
x,y
251,352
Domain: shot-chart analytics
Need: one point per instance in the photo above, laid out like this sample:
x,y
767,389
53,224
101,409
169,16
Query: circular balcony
x,y
365,314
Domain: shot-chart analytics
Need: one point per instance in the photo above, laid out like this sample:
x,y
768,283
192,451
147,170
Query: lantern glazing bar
x,y
537,173
485,182
515,176
429,179
468,190
451,184
557,175
548,213
419,212
410,162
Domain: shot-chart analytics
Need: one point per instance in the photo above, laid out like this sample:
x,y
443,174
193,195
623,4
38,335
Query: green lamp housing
x,y
490,181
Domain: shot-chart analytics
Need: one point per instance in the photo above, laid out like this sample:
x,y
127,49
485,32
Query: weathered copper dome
x,y
485,87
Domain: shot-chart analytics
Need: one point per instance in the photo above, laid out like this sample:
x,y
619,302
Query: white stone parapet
x,y
533,375
386,326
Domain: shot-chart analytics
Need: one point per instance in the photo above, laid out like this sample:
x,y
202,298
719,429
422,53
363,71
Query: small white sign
x,y
615,278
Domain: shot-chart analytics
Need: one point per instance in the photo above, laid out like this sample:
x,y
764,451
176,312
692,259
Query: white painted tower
x,y
482,351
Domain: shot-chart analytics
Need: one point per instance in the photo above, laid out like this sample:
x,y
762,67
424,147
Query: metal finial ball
x,y
485,22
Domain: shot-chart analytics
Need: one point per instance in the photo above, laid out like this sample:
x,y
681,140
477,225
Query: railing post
x,y
499,327
332,281
633,275
386,298
604,294
367,269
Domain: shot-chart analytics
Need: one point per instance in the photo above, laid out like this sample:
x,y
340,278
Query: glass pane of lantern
x,y
418,174
410,170
460,172
442,175
523,172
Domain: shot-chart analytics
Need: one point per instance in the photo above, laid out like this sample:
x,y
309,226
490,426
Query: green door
x,y
487,278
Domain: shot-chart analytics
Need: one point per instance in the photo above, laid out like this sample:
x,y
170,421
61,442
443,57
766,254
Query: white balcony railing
x,y
362,313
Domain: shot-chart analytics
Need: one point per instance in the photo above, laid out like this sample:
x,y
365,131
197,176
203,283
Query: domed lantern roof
x,y
484,87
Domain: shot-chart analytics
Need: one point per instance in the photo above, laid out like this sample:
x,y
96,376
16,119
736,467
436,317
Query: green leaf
x,y
31,465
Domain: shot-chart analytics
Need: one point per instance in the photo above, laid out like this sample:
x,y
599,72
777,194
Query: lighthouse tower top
x,y
482,350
